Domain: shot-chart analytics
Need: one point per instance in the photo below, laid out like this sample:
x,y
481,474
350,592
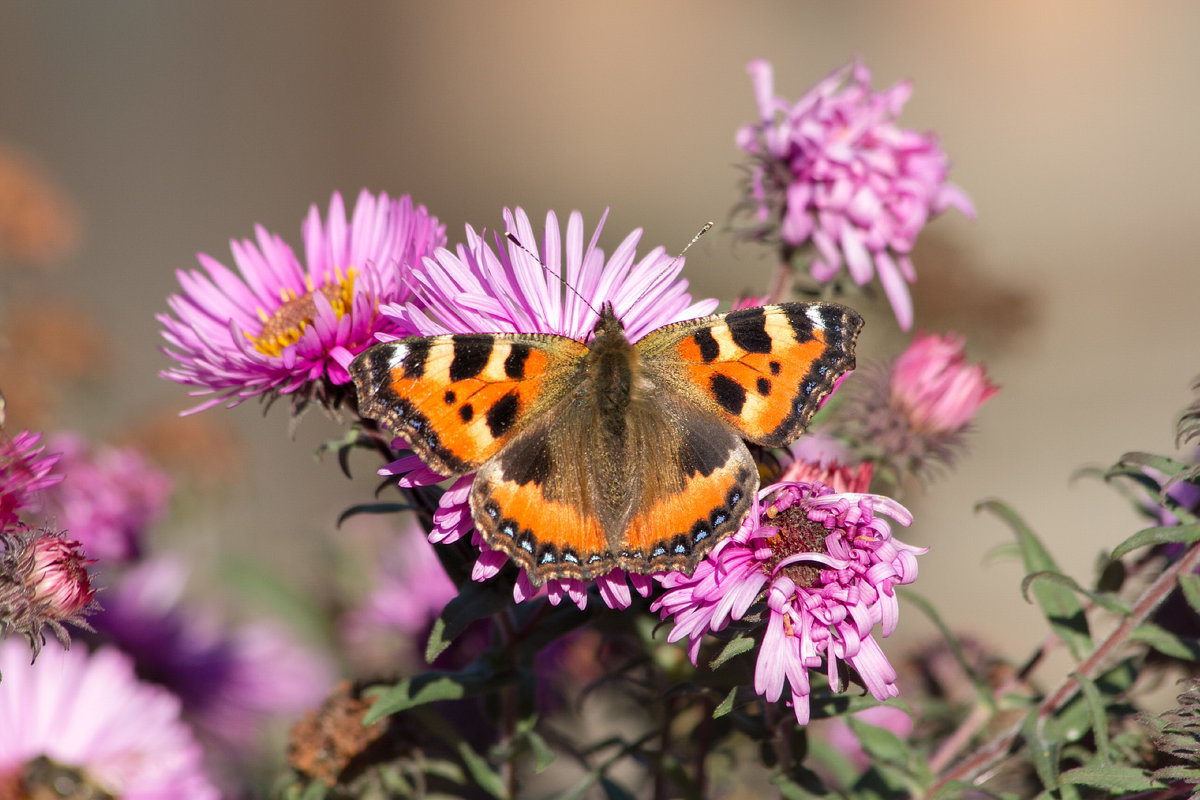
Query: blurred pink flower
x,y
229,680
833,168
25,470
284,326
481,290
44,583
88,713
826,564
935,387
914,414
108,499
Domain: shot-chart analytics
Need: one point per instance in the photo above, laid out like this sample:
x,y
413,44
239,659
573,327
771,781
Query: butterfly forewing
x,y
764,371
459,398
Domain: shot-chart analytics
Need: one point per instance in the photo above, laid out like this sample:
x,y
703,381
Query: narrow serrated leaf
x,y
1112,778
1149,537
1166,642
735,647
1058,603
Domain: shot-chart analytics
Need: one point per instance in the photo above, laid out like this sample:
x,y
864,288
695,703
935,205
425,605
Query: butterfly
x,y
610,454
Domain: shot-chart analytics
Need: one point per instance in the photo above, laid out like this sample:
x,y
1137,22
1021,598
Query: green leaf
x,y
615,791
983,692
1057,602
1178,773
955,790
735,647
789,789
543,755
1042,751
1149,537
1166,642
1190,586
1111,778
1102,599
1095,704
430,687
373,508
474,601
726,705
1132,464
481,771
879,742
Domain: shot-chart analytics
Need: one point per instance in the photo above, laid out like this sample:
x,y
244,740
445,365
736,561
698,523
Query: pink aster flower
x,y
826,565
109,498
25,470
916,412
935,386
834,169
229,680
44,583
86,719
484,289
284,325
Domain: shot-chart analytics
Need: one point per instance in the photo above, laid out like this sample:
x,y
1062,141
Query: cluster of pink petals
x,y
109,498
89,712
25,470
935,387
833,168
481,289
220,313
808,626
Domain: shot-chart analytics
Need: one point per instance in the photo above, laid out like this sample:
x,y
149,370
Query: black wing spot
x,y
466,413
471,355
514,365
450,397
776,367
748,328
709,347
729,394
502,415
764,386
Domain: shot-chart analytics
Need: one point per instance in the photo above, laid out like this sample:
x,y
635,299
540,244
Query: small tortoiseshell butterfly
x,y
591,457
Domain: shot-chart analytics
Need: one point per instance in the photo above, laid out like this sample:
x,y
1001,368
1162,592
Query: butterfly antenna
x,y
666,270
562,279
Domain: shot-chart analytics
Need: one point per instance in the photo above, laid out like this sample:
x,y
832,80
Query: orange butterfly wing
x,y
764,371
459,398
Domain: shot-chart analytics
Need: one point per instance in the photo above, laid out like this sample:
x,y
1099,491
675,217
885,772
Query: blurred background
x,y
167,129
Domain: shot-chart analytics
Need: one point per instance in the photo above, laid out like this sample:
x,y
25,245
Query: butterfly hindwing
x,y
763,370
459,398
564,502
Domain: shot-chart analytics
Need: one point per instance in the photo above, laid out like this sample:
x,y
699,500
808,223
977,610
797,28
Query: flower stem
x,y
990,754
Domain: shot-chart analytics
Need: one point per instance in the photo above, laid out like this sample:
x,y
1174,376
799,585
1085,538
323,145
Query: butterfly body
x,y
616,454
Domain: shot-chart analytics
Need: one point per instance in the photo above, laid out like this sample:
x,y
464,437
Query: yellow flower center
x,y
285,327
